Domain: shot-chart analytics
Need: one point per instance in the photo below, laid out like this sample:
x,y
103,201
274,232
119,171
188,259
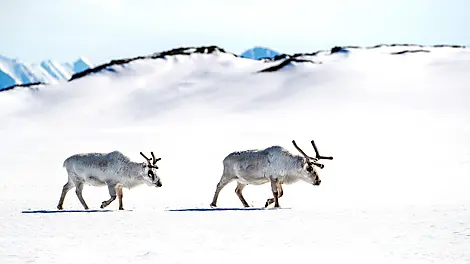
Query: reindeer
x,y
274,164
113,169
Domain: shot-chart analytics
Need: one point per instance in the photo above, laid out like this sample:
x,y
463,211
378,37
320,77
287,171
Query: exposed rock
x,y
21,85
159,55
284,64
408,51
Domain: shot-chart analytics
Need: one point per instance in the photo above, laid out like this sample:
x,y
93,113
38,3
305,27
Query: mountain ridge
x,y
15,72
284,59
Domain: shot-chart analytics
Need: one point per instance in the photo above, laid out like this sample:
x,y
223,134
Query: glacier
x,y
257,53
17,72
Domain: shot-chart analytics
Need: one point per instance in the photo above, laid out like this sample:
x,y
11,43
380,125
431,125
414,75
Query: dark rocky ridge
x,y
333,50
21,85
286,58
417,45
159,55
409,51
284,64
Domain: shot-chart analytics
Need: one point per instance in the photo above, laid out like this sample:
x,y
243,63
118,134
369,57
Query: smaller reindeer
x,y
274,164
113,169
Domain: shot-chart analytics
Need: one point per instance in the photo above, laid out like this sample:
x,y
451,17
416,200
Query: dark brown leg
x,y
238,191
274,189
280,193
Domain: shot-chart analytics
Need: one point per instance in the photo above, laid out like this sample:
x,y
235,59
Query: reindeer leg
x,y
275,190
238,191
112,193
119,195
78,191
223,181
69,185
280,193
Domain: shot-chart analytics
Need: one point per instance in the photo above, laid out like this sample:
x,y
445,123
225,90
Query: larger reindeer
x,y
113,169
274,164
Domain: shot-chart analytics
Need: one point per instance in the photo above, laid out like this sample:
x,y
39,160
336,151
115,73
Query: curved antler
x,y
154,159
145,157
151,162
317,154
310,160
303,153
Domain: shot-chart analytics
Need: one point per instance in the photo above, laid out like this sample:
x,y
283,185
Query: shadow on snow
x,y
222,209
63,211
168,210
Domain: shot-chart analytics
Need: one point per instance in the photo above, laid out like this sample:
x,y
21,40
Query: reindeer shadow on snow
x,y
64,211
274,165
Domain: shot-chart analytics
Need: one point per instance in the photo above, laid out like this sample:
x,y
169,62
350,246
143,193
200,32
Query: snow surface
x,y
396,192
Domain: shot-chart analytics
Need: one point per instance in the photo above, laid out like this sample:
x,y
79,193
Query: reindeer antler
x,y
151,161
145,157
154,159
310,160
321,166
318,153
301,151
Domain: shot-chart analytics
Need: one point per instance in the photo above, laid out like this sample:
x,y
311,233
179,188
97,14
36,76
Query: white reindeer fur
x,y
274,164
97,169
259,166
113,169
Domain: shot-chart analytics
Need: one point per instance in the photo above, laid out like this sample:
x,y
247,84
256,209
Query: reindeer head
x,y
309,164
151,167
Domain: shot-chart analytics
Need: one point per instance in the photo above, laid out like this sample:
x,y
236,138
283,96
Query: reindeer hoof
x,y
59,207
103,205
213,205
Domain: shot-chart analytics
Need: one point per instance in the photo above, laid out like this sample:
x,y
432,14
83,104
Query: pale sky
x,y
100,30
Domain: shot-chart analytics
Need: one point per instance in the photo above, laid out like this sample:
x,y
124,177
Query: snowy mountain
x,y
257,53
82,64
56,70
16,72
396,119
